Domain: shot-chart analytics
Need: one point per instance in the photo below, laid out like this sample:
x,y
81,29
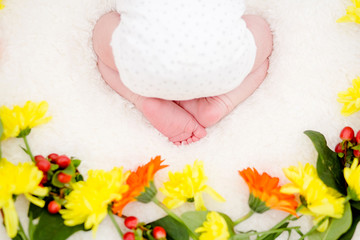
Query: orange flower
x,y
265,193
138,181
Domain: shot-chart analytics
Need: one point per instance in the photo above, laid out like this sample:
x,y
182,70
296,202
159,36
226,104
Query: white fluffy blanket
x,y
46,54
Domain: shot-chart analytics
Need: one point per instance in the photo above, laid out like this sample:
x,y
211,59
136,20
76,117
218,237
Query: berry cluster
x,y
58,172
349,147
140,230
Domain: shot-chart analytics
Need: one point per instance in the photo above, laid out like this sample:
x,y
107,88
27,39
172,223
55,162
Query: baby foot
x,y
166,116
209,110
171,120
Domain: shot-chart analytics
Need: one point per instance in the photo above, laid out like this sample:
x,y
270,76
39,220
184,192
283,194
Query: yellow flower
x,y
214,228
350,98
1,5
352,177
88,202
352,13
20,119
15,180
319,200
188,187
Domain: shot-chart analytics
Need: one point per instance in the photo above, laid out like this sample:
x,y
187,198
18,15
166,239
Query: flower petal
x,y
38,202
11,219
214,194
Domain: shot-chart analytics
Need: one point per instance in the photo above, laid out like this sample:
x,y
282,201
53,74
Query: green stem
x,y
266,233
243,218
287,218
111,215
21,232
28,149
313,228
174,216
276,226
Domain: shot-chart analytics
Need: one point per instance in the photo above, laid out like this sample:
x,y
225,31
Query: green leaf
x,y
336,228
315,236
76,162
138,234
18,237
70,170
32,226
229,223
355,204
357,147
35,211
52,227
194,219
79,178
328,165
356,218
174,230
55,181
25,150
54,167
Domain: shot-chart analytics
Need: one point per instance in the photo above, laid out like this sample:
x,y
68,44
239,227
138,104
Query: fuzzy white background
x,y
46,54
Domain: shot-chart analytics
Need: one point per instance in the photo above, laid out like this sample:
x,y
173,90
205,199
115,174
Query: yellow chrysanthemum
x,y
1,5
350,98
23,118
23,178
188,187
319,200
88,202
214,228
352,13
352,177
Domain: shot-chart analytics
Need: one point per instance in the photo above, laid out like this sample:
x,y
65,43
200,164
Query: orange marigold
x,y
265,193
137,181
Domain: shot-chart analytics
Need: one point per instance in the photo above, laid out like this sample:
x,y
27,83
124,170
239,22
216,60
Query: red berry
x,y
347,134
43,165
63,161
54,207
64,178
358,137
159,233
129,236
39,157
131,222
44,179
53,157
338,148
356,153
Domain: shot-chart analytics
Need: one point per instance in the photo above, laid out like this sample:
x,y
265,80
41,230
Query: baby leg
x,y
166,116
210,110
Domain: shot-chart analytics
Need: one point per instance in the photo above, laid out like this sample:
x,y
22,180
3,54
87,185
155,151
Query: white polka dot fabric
x,y
182,49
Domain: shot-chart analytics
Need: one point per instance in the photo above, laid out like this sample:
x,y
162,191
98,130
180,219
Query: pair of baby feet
x,y
184,122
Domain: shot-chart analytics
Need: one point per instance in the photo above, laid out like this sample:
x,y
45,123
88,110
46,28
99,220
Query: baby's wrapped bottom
x,y
181,59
